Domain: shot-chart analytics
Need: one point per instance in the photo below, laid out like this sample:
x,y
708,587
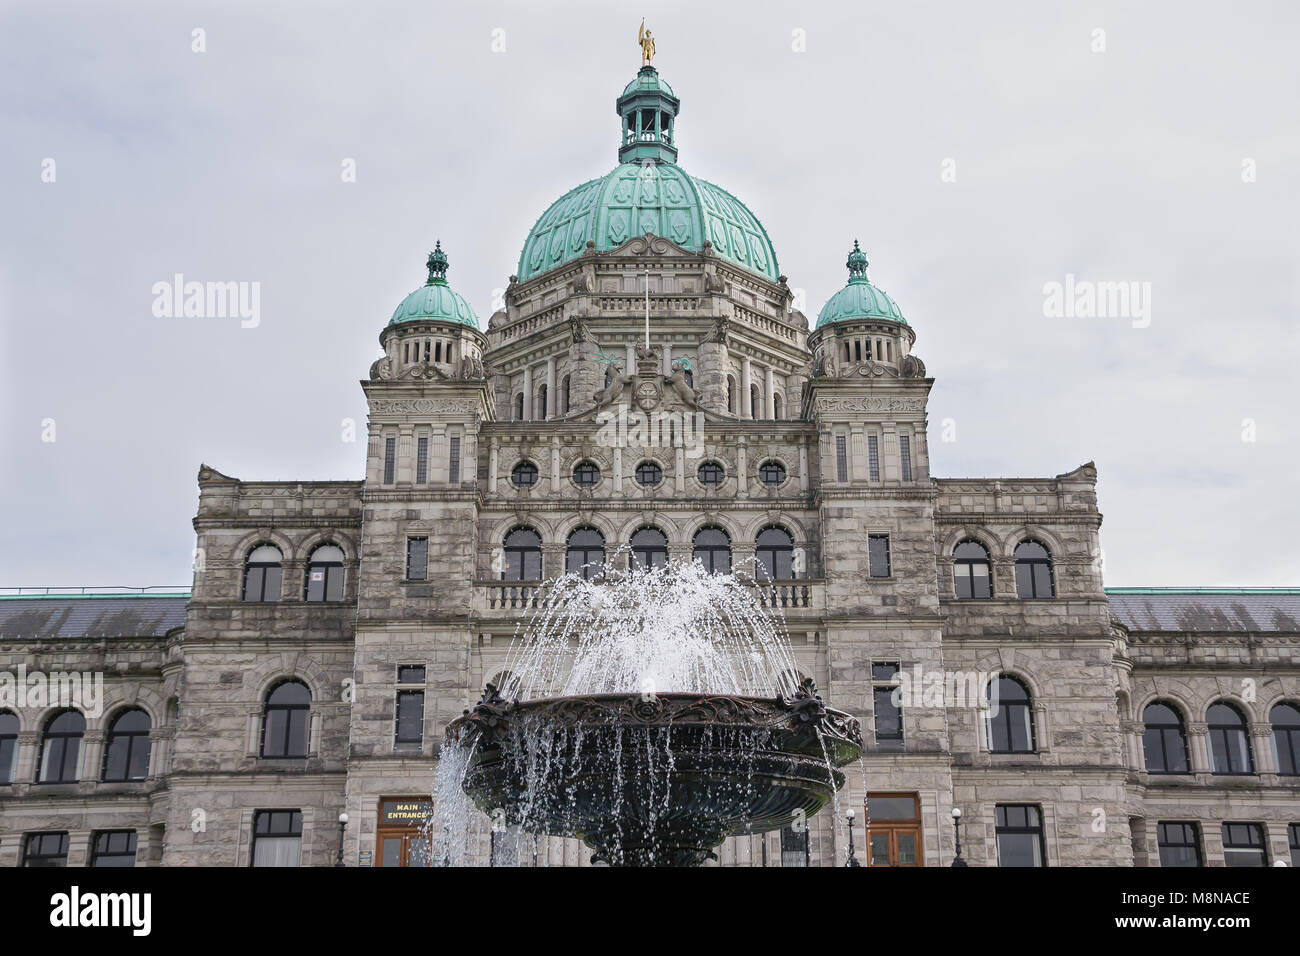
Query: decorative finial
x,y
437,263
647,43
857,263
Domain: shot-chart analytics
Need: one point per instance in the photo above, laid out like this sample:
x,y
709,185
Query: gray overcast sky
x,y
1123,165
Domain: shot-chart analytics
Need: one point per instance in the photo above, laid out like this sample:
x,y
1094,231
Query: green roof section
x,y
655,197
859,299
435,300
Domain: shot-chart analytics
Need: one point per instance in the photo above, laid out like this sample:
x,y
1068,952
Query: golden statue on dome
x,y
647,42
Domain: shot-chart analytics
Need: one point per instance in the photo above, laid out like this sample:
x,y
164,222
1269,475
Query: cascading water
x,y
652,715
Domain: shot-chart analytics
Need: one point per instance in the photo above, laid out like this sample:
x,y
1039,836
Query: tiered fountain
x,y
652,716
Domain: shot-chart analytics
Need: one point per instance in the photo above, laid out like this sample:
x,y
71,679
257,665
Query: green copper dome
x,y
859,299
647,192
435,299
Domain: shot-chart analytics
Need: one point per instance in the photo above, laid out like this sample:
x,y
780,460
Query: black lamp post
x,y
956,827
852,860
343,825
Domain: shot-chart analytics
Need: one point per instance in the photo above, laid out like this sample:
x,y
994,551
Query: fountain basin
x,y
654,780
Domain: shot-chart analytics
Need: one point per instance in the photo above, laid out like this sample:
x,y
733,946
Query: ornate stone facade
x,y
810,435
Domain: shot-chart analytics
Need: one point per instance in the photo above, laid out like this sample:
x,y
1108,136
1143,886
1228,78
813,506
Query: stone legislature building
x,y
334,628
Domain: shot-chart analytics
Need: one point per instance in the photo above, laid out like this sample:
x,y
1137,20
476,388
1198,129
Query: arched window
x,y
286,720
325,574
755,405
778,406
585,554
542,396
262,574
523,552
126,755
566,395
649,549
1164,744
1229,745
586,474
771,473
524,475
61,746
1284,717
731,395
774,555
519,407
1011,717
710,473
648,474
713,550
1033,571
8,745
971,576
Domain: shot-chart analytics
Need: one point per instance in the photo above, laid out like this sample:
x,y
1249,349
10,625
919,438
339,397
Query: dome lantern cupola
x,y
435,300
647,109
859,299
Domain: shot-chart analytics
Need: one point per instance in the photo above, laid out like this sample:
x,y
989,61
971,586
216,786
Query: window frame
x,y
711,552
522,468
1004,715
871,558
586,466
9,748
263,567
1195,845
771,467
412,541
1291,734
62,738
965,567
294,831
1036,830
1243,728
132,738
332,570
1251,827
44,859
634,549
1164,728
268,707
587,568
779,554
1033,564
647,466
517,555
97,855
713,465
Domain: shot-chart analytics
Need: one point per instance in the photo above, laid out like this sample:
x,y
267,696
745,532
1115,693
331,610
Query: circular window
x,y
524,474
586,474
710,473
771,473
649,474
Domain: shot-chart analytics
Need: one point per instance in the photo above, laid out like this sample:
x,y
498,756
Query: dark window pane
x,y
390,460
878,554
417,559
710,473
891,808
884,671
1243,845
410,716
422,460
873,457
1179,844
453,462
889,717
841,458
771,473
410,674
113,848
905,456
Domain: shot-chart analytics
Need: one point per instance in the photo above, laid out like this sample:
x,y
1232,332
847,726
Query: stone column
x,y
555,468
746,404
803,465
629,367
1261,745
405,454
618,470
889,462
552,403
528,394
493,455
711,376
1197,744
375,455
742,469
769,399
667,349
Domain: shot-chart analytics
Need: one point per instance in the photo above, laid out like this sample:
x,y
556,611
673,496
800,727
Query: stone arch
x,y
288,665
984,536
139,697
315,539
1037,533
245,545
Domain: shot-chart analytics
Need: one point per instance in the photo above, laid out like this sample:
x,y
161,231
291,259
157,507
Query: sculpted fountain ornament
x,y
651,715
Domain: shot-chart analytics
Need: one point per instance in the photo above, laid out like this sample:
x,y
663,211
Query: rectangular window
x,y
277,838
417,559
794,846
888,714
390,460
453,463
113,848
905,456
410,717
410,674
873,457
1180,844
8,747
1019,831
878,554
841,458
1243,844
46,849
893,828
421,461
1293,838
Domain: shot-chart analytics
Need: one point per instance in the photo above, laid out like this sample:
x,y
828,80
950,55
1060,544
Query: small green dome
x,y
648,81
435,299
859,299
659,197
